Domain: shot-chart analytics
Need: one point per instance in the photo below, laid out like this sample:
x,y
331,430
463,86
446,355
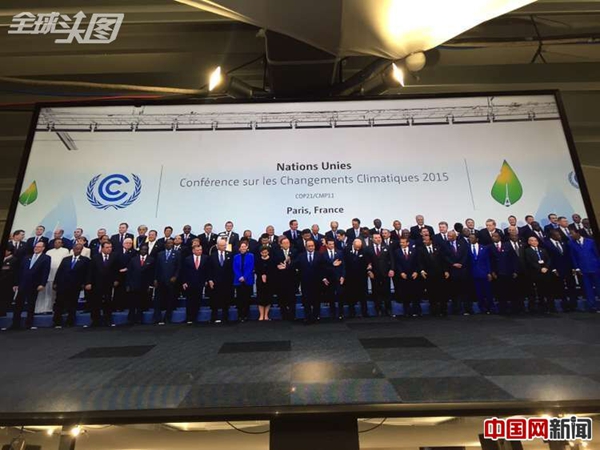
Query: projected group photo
x,y
298,211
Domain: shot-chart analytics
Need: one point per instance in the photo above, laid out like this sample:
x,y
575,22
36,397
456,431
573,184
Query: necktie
x,y
444,236
377,250
221,259
105,259
405,253
558,246
537,251
498,245
142,259
473,250
310,257
294,235
73,262
168,255
430,250
33,260
454,246
196,262
121,239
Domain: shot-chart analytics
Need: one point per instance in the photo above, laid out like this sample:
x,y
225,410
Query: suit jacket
x,y
381,264
207,242
167,268
30,244
155,250
460,256
504,261
139,240
367,241
285,277
525,232
116,241
585,257
221,274
582,230
374,230
415,232
247,271
310,273
485,238
317,239
432,263
329,271
20,252
69,278
533,261
95,246
140,278
67,243
331,235
343,245
395,234
195,278
439,241
519,257
30,278
355,267
481,264
560,257
550,227
353,234
234,238
564,236
187,242
100,275
406,264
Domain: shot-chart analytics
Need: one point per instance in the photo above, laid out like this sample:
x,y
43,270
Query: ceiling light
x,y
75,431
215,79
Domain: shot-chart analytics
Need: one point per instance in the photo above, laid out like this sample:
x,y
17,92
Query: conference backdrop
x,y
267,163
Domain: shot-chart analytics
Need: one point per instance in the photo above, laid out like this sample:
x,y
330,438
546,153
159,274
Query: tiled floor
x,y
455,359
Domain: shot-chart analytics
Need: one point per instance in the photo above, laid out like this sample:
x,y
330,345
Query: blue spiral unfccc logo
x,y
116,191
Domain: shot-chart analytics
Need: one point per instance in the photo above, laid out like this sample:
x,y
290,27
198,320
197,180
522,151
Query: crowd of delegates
x,y
499,269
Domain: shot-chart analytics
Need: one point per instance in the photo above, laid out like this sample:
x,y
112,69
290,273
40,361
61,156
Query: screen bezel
x,y
256,413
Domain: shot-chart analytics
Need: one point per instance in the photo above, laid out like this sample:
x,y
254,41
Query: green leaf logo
x,y
507,190
29,195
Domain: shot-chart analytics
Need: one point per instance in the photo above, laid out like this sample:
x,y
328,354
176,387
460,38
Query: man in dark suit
x,y
381,271
18,247
39,237
32,277
231,237
441,238
504,275
435,273
194,274
124,255
376,227
341,241
140,277
354,232
252,243
96,243
187,237
165,282
117,239
527,230
168,234
365,235
100,282
523,285
69,281
553,223
587,227
470,226
332,233
310,280
456,255
152,243
586,262
284,257
563,285
220,281
577,224
332,278
512,222
256,247
386,239
208,239
485,236
356,262
141,238
540,268
59,234
396,232
407,281
481,273
10,264
273,238
538,233
415,231
563,229
293,234
316,236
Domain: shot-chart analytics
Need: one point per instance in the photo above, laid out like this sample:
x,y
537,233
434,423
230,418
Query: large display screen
x,y
261,164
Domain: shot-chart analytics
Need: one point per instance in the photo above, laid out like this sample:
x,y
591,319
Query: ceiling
x,y
548,44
